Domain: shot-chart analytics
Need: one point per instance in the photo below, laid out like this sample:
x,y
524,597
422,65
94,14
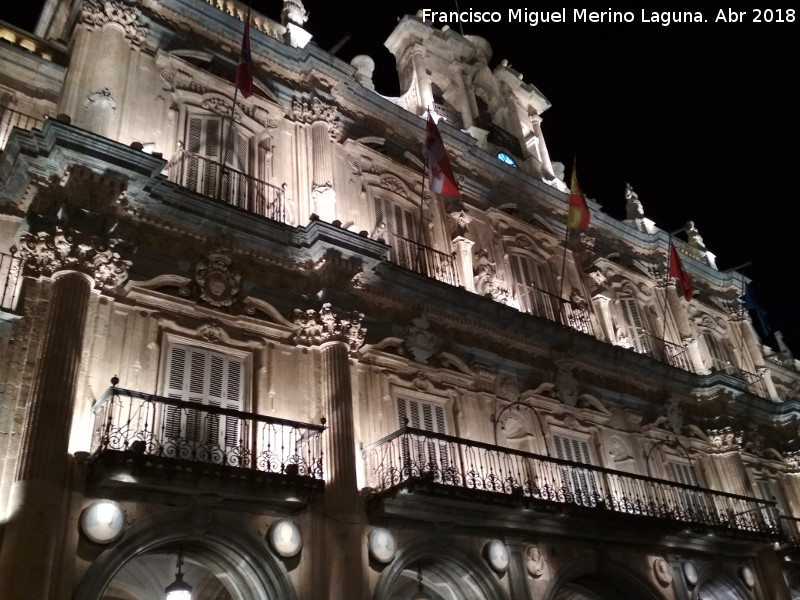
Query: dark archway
x,y
593,579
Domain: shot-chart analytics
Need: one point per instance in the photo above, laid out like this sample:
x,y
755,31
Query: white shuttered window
x,y
579,482
425,454
203,376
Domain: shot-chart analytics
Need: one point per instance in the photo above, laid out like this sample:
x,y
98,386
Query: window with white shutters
x,y
718,352
203,376
206,138
425,454
767,490
578,483
531,291
635,327
400,230
690,502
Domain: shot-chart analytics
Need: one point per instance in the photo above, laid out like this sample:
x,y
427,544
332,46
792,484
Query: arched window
x,y
719,353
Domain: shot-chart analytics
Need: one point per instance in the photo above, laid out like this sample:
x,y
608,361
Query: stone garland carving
x,y
329,325
45,253
314,111
217,283
97,14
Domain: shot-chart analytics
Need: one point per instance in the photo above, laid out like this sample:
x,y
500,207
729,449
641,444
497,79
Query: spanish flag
x,y
578,213
676,271
244,72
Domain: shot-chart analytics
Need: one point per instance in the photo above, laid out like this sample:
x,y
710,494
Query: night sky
x,y
701,118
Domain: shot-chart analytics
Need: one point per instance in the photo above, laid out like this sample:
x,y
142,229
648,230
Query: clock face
x,y
506,159
285,538
102,521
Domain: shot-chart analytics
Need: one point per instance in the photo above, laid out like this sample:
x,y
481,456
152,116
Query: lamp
x,y
178,589
420,594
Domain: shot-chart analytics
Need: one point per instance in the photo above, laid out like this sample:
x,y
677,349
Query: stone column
x,y
463,252
38,494
517,573
547,166
424,92
681,318
34,532
336,335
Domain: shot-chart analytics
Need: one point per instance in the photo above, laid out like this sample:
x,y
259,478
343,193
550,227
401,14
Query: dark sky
x,y
701,118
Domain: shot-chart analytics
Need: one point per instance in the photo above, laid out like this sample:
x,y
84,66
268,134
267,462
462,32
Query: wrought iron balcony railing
x,y
144,424
559,310
10,281
211,178
415,458
10,118
666,352
422,259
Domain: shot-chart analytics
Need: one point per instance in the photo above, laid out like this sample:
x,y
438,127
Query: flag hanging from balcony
x,y
578,212
440,172
244,73
676,271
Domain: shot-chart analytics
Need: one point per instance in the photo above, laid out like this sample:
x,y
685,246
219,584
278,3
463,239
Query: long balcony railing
x,y
10,281
211,178
10,118
548,306
416,257
144,424
414,457
666,352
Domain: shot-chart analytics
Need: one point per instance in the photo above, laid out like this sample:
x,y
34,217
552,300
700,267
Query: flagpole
x,y
229,137
563,264
666,287
421,208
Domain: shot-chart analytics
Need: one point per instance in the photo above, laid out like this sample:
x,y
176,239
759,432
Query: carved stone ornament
x,y
101,100
566,384
662,571
294,12
674,414
45,253
792,460
216,282
97,14
328,325
420,342
724,440
314,111
534,561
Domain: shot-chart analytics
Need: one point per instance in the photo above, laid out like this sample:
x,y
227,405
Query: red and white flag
x,y
440,172
244,72
676,271
578,215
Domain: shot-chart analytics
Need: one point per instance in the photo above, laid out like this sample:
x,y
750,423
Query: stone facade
x,y
245,335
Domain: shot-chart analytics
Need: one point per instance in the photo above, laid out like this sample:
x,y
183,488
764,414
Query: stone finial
x,y
364,66
46,253
633,206
294,12
328,325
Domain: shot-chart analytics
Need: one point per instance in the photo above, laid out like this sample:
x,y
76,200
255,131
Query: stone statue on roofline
x,y
633,206
294,12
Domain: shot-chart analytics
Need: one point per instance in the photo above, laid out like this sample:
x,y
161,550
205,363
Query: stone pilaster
x,y
38,495
517,574
463,248
337,335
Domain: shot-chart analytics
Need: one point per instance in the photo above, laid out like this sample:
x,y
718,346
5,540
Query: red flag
x,y
676,271
244,73
440,172
578,212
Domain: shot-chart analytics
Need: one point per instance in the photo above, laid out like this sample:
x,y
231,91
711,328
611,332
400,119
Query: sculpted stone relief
x,y
314,111
216,282
316,327
97,14
46,253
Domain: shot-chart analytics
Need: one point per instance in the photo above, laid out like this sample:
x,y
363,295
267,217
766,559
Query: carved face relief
x,y
534,561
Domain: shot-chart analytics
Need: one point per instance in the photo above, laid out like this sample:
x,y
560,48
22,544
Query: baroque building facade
x,y
258,348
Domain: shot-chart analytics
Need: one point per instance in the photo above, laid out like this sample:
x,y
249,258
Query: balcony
x,y
548,306
215,180
665,352
10,281
156,443
10,118
419,461
421,259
